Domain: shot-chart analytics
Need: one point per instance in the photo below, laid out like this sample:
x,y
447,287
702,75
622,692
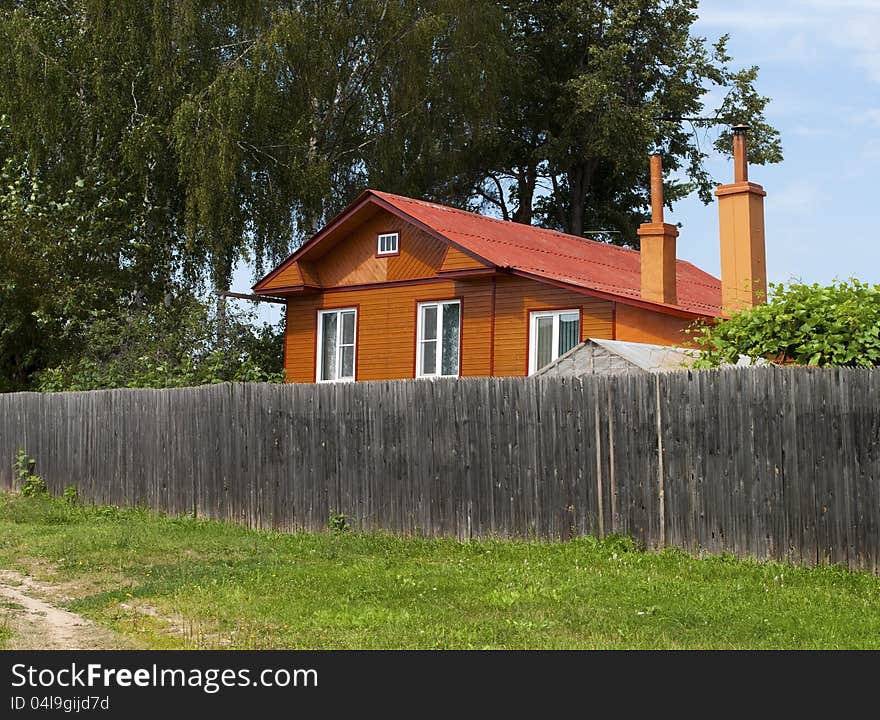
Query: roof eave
x,y
368,196
615,297
352,208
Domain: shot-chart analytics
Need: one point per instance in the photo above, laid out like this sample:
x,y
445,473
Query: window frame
x,y
439,339
388,253
319,343
555,313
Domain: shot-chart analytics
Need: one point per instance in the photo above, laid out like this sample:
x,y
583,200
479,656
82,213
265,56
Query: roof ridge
x,y
535,228
555,254
472,214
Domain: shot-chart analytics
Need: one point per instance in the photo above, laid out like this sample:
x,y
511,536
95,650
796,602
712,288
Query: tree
x,y
147,147
63,258
237,129
597,86
169,345
838,324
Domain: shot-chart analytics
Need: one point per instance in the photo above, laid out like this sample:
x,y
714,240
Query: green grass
x,y
5,632
209,584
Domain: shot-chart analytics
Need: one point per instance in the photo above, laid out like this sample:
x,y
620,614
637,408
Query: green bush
x,y
34,486
29,485
837,324
339,523
178,345
70,495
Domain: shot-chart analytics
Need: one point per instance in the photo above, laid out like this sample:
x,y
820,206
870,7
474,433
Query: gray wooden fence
x,y
761,462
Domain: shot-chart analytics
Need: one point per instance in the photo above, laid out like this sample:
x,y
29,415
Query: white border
x,y
319,356
439,304
380,251
533,333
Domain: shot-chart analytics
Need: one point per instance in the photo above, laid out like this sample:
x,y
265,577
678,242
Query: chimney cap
x,y
740,129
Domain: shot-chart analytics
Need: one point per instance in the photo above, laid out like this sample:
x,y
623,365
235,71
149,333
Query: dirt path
x,y
36,624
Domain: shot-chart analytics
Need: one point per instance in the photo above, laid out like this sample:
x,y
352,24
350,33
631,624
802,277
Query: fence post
x,y
661,482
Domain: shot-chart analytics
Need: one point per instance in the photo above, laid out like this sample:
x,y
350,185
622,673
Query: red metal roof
x,y
542,254
557,256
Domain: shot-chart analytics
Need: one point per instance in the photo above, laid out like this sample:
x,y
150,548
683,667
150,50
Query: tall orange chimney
x,y
741,221
658,245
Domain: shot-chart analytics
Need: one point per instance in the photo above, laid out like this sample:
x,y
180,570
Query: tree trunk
x,y
526,178
575,201
580,179
222,281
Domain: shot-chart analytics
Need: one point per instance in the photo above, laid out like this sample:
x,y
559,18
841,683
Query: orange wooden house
x,y
401,288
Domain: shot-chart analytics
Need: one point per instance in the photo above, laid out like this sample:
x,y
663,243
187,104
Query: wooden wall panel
x,y
517,297
309,275
635,324
455,259
387,328
387,325
353,260
288,277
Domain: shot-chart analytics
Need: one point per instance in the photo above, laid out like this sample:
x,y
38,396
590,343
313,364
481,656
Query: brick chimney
x,y
658,245
741,222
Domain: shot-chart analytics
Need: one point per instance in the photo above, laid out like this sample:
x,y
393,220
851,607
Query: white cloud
x,y
869,117
860,36
748,18
804,31
800,197
814,132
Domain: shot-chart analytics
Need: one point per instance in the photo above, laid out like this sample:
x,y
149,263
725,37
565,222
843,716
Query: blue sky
x,y
820,65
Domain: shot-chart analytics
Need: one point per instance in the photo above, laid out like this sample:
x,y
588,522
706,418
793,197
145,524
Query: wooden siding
x,y
288,277
517,297
635,324
386,341
387,325
353,261
455,259
309,275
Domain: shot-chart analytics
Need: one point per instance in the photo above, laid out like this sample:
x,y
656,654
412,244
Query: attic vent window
x,y
389,244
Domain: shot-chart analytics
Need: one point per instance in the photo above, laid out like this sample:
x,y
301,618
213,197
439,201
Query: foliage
x,y
339,523
838,324
233,127
146,149
22,467
34,486
63,258
70,495
173,345
597,87
239,588
29,485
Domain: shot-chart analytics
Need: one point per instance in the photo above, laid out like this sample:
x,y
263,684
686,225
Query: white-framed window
x,y
337,333
438,339
552,333
388,244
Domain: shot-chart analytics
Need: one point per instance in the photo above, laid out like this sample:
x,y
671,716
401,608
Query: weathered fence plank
x,y
760,462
